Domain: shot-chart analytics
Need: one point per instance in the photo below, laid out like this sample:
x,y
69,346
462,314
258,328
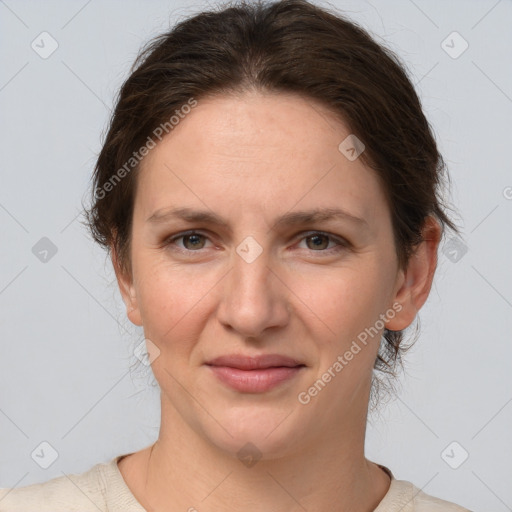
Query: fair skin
x,y
251,159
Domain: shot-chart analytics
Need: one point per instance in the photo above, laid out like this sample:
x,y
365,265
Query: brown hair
x,y
284,46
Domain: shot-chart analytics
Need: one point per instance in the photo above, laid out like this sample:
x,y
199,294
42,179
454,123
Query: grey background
x,y
66,366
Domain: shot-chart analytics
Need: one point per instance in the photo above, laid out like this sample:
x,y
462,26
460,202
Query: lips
x,y
254,374
254,362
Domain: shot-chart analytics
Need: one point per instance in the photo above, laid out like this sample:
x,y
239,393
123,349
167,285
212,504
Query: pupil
x,y
194,238
318,240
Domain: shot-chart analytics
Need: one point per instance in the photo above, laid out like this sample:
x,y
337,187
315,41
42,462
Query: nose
x,y
254,297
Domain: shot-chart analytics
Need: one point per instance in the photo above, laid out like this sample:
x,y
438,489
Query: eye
x,y
192,241
316,241
319,242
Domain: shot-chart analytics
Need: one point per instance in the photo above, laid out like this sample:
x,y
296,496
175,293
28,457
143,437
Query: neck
x,y
185,471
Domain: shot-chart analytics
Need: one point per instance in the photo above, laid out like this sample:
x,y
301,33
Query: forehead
x,y
267,152
253,126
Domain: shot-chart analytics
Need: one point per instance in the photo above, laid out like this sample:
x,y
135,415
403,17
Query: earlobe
x,y
133,312
127,290
414,282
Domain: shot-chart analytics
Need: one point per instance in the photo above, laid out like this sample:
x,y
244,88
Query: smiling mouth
x,y
254,374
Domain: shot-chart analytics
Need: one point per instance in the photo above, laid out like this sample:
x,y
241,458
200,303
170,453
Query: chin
x,y
265,431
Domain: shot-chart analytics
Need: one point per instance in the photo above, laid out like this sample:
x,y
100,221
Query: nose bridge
x,y
253,298
250,267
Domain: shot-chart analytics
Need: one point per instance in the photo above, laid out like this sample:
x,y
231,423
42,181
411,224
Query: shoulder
x,y
426,503
404,496
82,492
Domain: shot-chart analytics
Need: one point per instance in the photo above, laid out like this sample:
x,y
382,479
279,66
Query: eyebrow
x,y
289,219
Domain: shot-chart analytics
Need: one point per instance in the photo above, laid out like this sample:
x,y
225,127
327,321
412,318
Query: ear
x,y
126,287
414,282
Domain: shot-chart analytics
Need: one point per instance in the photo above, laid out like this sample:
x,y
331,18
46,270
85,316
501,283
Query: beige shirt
x,y
102,488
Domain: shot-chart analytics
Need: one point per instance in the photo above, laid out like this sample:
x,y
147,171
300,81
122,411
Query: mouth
x,y
258,374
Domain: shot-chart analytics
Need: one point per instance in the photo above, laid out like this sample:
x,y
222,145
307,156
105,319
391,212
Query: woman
x,y
268,192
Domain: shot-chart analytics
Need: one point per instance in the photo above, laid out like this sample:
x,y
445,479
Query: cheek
x,y
332,304
341,309
345,328
171,300
346,298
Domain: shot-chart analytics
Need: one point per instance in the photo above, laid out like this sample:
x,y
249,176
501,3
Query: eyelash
x,y
342,243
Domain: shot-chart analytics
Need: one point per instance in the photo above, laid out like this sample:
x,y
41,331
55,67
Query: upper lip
x,y
243,362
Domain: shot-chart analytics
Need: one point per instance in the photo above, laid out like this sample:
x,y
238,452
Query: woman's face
x,y
257,278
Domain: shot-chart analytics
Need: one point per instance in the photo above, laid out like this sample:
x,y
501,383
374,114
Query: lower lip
x,y
255,381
